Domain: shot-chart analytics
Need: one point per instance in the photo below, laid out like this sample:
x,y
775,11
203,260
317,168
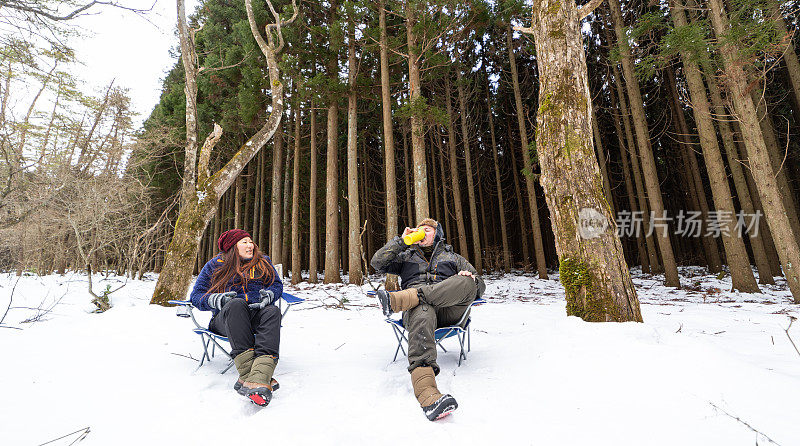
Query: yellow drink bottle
x,y
414,237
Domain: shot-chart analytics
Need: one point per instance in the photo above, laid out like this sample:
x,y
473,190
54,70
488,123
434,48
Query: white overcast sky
x,y
134,51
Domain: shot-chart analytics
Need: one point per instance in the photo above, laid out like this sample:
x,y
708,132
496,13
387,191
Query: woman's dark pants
x,y
246,328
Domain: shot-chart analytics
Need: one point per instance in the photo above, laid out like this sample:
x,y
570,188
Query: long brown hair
x,y
233,265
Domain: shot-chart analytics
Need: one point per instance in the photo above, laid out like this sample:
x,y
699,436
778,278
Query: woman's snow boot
x,y
243,362
258,386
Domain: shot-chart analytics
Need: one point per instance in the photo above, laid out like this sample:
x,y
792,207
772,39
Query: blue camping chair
x,y
461,330
210,339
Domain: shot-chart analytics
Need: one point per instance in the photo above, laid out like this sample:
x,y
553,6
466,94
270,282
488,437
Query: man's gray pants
x,y
440,305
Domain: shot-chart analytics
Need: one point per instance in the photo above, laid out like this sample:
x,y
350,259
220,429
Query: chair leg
x,y
469,339
399,337
230,364
205,350
461,354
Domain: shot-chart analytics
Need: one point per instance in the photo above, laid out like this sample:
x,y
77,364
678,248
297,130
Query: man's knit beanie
x,y
430,222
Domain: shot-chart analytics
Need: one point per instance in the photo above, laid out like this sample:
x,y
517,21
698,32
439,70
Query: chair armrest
x,y
186,303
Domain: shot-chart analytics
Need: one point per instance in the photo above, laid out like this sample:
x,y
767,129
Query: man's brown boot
x,y
397,301
434,404
257,387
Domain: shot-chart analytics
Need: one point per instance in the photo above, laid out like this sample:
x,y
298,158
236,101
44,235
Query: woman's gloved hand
x,y
267,298
218,300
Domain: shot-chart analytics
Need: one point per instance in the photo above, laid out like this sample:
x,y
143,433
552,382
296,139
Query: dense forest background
x,y
86,190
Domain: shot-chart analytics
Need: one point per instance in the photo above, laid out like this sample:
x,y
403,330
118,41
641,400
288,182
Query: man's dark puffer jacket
x,y
414,270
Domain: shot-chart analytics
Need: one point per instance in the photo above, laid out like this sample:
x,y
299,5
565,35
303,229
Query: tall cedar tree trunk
x,y
592,267
498,184
354,215
277,197
601,159
645,151
286,233
406,174
741,273
451,144
247,202
533,202
201,204
259,197
523,234
443,182
760,166
237,205
471,198
388,141
297,274
332,171
417,102
644,260
313,244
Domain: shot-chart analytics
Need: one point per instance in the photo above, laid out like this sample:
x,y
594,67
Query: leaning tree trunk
x,y
198,208
650,241
759,161
693,181
632,204
538,245
741,273
789,54
645,150
354,214
757,238
592,266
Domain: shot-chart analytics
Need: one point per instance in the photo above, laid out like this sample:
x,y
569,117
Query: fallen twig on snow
x,y
40,312
84,432
10,299
791,319
185,356
745,423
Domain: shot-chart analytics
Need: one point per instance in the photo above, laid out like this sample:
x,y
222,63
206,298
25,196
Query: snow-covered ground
x,y
708,367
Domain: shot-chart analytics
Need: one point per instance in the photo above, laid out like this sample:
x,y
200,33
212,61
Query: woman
x,y
240,286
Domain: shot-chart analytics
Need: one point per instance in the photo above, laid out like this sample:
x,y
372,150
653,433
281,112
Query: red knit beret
x,y
230,238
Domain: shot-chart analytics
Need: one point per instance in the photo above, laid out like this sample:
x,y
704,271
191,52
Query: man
x,y
438,287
